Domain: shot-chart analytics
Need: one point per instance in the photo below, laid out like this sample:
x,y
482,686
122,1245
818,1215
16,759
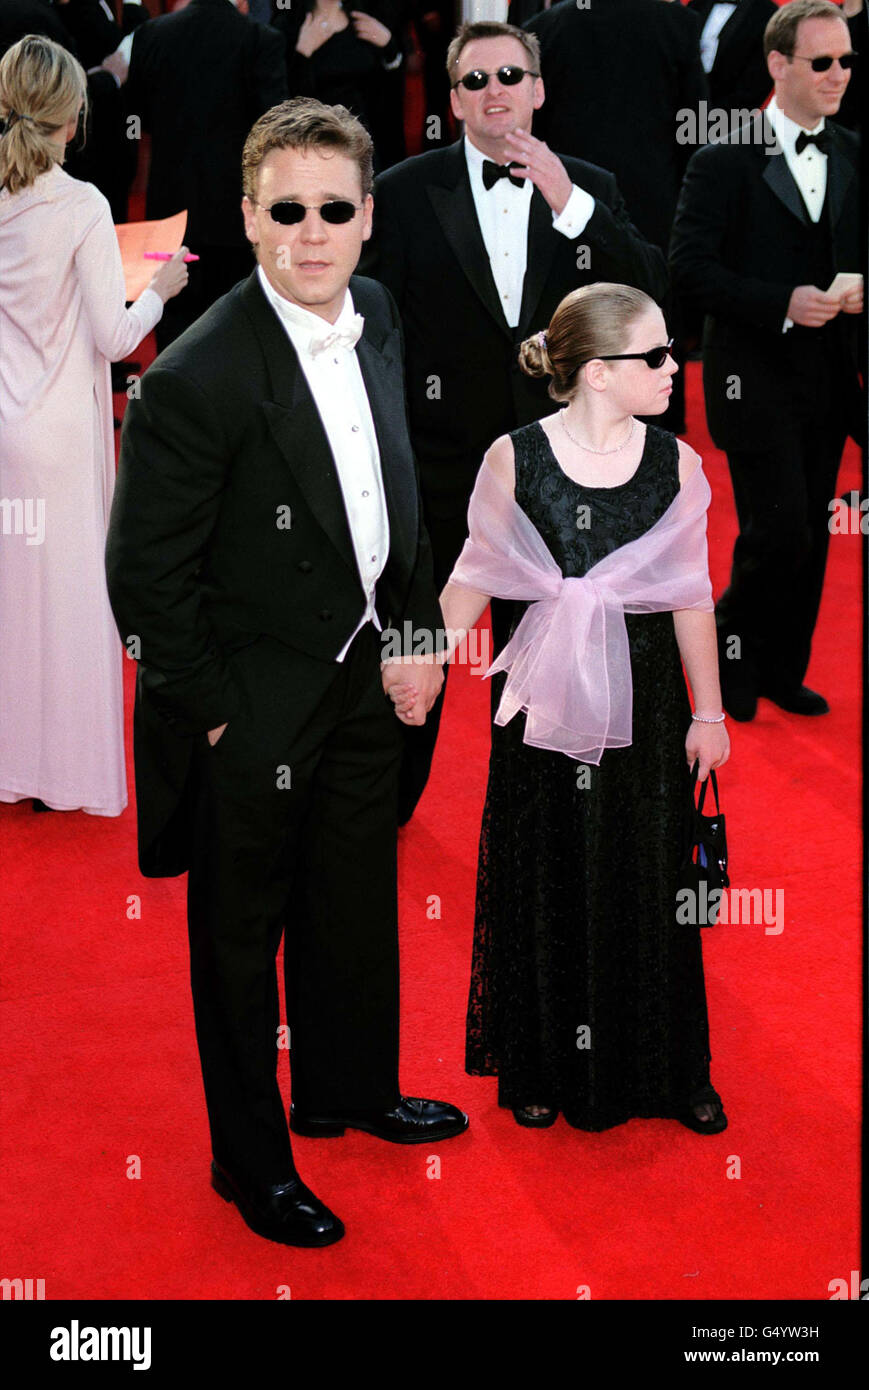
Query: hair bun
x,y
533,356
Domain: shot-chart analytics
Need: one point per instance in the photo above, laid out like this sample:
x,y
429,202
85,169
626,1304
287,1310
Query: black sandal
x,y
707,1095
524,1117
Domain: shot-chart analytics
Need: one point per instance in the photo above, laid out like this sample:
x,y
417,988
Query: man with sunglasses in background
x,y
266,526
765,223
479,242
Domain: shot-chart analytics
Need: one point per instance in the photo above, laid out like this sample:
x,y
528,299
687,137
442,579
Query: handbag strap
x,y
711,778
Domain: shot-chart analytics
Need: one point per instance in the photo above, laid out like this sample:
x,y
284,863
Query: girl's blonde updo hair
x,y
41,86
593,321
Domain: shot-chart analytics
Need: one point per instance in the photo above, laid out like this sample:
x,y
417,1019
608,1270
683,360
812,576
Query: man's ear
x,y
777,65
456,104
367,215
539,93
247,213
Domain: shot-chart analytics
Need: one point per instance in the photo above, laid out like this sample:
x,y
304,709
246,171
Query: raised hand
x,y
541,166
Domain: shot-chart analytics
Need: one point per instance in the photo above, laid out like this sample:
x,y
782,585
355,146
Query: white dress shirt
x,y
336,383
715,22
809,168
502,212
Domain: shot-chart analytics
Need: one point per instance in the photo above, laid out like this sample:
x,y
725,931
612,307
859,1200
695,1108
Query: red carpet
x,y
100,1048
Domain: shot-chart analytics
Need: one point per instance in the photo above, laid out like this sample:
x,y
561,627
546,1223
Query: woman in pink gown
x,y
62,322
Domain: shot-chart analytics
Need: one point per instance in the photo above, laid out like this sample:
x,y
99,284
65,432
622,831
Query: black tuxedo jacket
x,y
740,247
616,75
463,379
199,79
229,523
739,79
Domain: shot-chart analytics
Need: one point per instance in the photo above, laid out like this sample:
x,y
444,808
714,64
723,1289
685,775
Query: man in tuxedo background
x,y
731,50
477,256
198,80
266,522
765,222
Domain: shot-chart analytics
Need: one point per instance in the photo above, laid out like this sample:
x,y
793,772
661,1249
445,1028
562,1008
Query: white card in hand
x,y
845,280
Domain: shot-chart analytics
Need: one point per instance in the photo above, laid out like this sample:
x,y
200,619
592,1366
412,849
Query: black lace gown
x,y
586,994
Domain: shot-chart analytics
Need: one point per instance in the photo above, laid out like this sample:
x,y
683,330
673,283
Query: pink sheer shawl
x,y
568,661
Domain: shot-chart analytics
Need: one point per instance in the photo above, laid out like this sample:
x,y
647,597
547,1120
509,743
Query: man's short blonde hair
x,y
303,124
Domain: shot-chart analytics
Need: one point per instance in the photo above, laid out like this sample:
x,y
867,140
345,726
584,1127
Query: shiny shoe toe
x,y
288,1212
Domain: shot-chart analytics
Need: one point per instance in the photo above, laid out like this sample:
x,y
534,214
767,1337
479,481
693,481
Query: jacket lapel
x,y
453,205
380,362
776,174
541,253
295,425
840,175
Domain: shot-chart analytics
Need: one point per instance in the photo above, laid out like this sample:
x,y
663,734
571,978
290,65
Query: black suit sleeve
x,y
268,73
618,250
173,465
383,255
691,81
711,205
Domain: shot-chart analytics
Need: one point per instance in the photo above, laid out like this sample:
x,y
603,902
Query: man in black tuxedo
x,y
765,222
198,80
266,521
731,50
477,258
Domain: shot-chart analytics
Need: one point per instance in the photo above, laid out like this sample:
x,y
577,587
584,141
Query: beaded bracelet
x,y
719,719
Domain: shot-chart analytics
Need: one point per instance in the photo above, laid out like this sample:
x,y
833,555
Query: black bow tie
x,y
493,172
822,140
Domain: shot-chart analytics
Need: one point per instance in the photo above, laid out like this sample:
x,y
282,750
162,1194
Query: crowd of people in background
x,y
563,212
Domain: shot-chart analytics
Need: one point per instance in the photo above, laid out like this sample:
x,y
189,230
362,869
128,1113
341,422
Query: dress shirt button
x,y
325,615
305,566
364,492
354,429
374,557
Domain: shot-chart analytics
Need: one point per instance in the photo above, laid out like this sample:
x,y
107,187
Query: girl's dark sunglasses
x,y
654,358
824,64
288,214
508,76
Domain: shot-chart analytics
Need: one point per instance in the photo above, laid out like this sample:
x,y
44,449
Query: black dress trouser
x,y
295,834
782,494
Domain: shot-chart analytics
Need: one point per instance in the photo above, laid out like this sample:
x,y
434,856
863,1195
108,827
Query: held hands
x,y
708,744
413,692
542,167
172,276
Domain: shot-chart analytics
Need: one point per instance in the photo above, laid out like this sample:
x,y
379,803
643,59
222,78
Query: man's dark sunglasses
x,y
654,358
824,64
288,214
508,76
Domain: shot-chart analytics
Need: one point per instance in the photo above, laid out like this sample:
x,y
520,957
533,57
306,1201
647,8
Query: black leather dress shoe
x,y
413,1121
799,701
287,1212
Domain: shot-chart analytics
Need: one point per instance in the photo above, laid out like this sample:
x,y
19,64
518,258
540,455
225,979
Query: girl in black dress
x,y
587,995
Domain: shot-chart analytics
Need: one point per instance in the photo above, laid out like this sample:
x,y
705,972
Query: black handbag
x,y
704,868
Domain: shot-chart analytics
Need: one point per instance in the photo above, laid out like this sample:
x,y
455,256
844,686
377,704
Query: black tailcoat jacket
x,y
229,524
742,242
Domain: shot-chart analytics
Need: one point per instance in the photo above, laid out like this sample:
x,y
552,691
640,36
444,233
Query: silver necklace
x,y
616,450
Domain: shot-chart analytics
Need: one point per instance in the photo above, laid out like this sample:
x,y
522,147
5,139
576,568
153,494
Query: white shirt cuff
x,y
576,213
788,323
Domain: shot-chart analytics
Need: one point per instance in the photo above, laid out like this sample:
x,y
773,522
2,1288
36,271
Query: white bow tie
x,y
345,338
